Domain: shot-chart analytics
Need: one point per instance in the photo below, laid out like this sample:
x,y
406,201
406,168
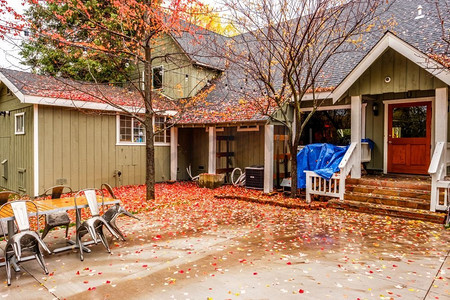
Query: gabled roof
x,y
47,90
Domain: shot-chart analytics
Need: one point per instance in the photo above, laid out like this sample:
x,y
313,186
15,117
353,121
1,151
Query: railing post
x,y
356,134
308,187
434,192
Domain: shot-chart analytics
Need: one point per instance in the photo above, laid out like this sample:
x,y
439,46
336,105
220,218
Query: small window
x,y
20,123
131,130
218,129
162,133
248,128
157,77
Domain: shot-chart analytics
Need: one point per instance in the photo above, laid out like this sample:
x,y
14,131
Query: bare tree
x,y
282,55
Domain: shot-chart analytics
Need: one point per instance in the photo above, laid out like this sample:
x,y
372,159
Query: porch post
x,y
356,134
173,153
441,117
212,150
268,158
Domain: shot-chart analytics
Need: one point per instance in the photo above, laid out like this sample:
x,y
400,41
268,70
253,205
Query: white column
x,y
441,115
356,134
36,149
212,150
268,158
173,153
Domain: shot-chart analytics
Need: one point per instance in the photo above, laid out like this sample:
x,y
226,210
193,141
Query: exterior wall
x,y
16,149
79,149
405,76
177,65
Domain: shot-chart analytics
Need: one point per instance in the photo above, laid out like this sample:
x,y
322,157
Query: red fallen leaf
x,y
158,237
370,271
85,282
395,266
100,273
181,271
91,289
144,266
289,263
78,273
108,282
301,291
51,274
255,273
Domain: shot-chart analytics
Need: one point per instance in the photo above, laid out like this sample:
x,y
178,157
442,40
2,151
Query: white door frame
x,y
400,101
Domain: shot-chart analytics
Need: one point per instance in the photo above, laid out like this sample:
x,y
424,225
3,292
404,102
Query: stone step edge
x,y
380,209
390,188
388,197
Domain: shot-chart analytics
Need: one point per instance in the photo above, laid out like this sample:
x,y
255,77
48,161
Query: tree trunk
x,y
294,189
149,143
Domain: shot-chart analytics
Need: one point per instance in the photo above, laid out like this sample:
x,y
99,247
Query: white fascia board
x,y
400,46
12,87
317,96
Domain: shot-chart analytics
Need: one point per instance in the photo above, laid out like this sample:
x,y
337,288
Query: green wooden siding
x,y
16,149
405,76
177,65
79,149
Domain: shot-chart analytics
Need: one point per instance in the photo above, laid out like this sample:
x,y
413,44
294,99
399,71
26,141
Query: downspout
x,y
36,149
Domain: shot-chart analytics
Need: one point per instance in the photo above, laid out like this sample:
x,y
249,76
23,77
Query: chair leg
x,y
67,231
93,233
8,270
116,229
80,245
46,231
103,238
40,259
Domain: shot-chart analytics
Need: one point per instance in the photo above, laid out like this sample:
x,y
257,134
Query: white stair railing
x,y
335,187
438,170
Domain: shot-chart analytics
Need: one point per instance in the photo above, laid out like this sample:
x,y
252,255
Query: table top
x,y
46,206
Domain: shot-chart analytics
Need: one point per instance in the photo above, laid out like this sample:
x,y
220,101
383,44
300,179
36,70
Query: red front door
x,y
409,137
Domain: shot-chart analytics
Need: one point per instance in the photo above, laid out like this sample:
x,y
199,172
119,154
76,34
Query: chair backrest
x,y
20,211
56,191
6,195
109,189
91,198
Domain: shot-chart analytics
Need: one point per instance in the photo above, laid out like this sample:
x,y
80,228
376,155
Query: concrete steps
x,y
393,196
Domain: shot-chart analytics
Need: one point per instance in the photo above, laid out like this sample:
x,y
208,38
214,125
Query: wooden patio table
x,y
46,206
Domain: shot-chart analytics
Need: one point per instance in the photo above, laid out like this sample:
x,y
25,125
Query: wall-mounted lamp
x,y
5,112
375,109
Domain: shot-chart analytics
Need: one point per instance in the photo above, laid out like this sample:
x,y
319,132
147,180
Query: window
x,y
131,130
248,128
162,135
20,123
157,77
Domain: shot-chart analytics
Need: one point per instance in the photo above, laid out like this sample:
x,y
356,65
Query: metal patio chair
x,y
7,195
26,240
60,218
115,211
94,225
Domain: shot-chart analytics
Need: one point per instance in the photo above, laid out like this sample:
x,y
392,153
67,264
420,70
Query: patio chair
x,y
94,225
25,240
115,211
7,195
60,218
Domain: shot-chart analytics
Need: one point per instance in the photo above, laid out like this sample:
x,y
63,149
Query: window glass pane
x,y
409,122
328,126
159,125
157,77
125,129
138,132
20,124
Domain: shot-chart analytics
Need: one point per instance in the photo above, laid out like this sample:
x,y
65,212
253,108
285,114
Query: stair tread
x,y
416,184
388,197
397,189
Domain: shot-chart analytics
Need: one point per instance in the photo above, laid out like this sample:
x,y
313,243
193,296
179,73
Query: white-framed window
x,y
19,123
162,135
157,77
130,131
248,128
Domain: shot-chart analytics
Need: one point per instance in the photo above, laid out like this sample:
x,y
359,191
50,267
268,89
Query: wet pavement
x,y
256,252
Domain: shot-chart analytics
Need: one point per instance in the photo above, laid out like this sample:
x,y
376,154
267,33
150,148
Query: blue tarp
x,y
323,159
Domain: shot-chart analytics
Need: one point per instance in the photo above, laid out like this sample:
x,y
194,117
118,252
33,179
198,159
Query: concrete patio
x,y
262,253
